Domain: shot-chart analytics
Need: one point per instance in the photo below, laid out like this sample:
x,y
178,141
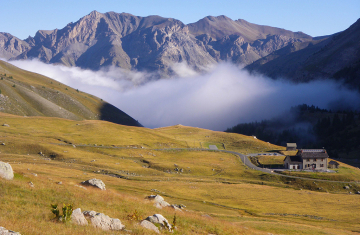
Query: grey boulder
x,y
78,218
159,219
6,171
4,231
104,222
148,225
95,183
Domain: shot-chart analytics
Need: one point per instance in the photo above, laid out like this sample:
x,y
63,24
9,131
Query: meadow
x,y
222,196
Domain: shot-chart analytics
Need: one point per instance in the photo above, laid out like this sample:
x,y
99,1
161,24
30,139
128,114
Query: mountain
x,y
29,94
152,43
336,56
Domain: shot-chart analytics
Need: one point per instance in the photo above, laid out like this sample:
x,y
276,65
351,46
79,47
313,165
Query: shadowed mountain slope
x,y
29,94
336,56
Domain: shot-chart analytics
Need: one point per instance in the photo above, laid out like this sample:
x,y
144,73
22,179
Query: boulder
x,y
159,219
78,218
95,183
6,171
104,222
4,231
148,225
159,201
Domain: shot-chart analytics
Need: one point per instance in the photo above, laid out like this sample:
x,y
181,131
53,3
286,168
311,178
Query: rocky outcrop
x,y
4,231
148,225
160,220
102,221
95,183
6,171
78,218
158,200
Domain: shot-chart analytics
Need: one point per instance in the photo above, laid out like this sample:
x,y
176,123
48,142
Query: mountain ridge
x,y
153,42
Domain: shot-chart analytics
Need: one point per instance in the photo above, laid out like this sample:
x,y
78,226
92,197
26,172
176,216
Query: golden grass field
x,y
221,195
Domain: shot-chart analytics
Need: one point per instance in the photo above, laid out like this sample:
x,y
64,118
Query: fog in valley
x,y
222,97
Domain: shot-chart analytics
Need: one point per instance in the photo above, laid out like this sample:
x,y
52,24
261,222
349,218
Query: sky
x,y
22,18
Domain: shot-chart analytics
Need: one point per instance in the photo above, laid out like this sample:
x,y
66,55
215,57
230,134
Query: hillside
x,y
221,195
29,94
151,43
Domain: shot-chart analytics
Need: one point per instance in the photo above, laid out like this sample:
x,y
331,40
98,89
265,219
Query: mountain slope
x,y
337,56
30,94
154,43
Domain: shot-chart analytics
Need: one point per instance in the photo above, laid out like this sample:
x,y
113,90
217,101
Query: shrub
x,y
66,212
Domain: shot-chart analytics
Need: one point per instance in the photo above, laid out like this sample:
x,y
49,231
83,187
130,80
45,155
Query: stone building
x,y
308,159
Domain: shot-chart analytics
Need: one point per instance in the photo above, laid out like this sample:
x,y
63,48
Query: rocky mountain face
x,y
150,43
336,56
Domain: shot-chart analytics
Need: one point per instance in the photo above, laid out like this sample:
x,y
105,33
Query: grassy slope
x,y
238,200
30,94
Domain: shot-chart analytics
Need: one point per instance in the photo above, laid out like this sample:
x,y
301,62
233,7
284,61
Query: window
x,y
293,167
321,165
308,160
314,159
322,159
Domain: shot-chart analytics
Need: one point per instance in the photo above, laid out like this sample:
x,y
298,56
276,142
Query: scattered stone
x,y
7,125
148,225
80,186
159,201
4,231
95,183
34,174
175,207
31,184
159,219
104,222
358,192
6,171
2,143
78,218
346,187
59,182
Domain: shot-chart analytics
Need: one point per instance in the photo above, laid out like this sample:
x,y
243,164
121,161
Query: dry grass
x,y
222,196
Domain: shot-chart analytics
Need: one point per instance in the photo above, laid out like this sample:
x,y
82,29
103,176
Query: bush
x,y
66,212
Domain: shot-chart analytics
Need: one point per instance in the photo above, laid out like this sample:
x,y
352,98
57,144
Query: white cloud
x,y
220,98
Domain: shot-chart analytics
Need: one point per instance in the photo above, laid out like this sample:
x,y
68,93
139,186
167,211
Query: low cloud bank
x,y
220,98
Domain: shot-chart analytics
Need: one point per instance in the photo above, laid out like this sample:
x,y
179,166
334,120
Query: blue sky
x,y
22,18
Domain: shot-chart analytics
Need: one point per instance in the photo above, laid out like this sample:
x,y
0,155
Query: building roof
x,y
295,159
333,163
291,145
312,153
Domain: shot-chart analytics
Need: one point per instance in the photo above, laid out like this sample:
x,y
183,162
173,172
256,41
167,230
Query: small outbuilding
x,y
291,146
293,162
333,164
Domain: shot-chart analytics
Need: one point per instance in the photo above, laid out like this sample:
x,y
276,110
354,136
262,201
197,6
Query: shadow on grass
x,y
112,114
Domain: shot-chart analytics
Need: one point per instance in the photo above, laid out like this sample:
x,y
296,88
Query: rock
x,y
6,171
31,184
159,201
148,225
59,182
4,231
89,214
78,218
95,183
358,192
7,125
346,187
159,219
176,208
104,222
2,143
